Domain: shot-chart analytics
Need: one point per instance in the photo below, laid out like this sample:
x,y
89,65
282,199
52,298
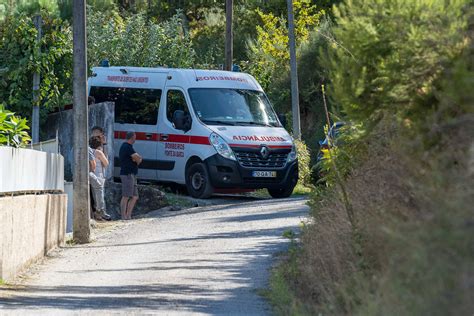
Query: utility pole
x,y
81,212
229,36
37,20
295,102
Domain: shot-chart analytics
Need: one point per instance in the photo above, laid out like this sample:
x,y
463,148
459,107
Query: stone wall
x,y
31,225
101,114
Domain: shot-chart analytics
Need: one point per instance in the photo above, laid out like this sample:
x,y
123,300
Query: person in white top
x,y
97,178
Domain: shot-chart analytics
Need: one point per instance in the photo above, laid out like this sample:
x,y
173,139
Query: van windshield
x,y
232,107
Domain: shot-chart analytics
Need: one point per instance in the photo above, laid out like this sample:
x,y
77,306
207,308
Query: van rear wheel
x,y
198,181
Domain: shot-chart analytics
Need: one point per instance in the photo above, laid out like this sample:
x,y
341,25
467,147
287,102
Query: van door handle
x,y
164,137
148,135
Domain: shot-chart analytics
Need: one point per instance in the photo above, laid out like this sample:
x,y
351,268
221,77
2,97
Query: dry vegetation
x,y
411,249
406,164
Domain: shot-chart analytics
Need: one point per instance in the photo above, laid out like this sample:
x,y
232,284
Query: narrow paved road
x,y
203,261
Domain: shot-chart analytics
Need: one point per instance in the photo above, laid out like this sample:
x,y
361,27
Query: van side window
x,y
175,100
132,106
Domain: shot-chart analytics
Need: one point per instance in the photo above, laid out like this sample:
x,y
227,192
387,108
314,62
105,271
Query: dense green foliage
x,y
382,71
13,130
388,236
304,163
21,55
311,77
394,51
136,41
269,51
8,7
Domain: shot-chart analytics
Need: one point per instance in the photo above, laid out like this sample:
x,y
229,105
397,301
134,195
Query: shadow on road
x,y
239,267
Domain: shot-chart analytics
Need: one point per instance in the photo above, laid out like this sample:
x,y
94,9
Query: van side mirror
x,y
282,119
181,120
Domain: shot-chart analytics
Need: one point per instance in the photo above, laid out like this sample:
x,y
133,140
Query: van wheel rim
x,y
197,181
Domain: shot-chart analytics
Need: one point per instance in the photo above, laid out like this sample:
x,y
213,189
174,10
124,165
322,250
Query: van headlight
x,y
293,154
221,146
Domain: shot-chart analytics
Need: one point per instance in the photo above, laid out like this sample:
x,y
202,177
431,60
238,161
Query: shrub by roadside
x,y
408,247
304,163
411,251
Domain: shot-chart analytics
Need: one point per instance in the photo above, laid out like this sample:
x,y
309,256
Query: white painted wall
x,y
30,170
49,146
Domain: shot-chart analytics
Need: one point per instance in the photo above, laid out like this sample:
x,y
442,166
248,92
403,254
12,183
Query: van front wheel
x,y
281,193
198,182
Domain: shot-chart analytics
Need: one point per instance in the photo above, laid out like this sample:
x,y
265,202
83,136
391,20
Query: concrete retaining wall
x,y
30,226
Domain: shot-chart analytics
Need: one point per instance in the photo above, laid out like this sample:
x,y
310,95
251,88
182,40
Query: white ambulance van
x,y
207,129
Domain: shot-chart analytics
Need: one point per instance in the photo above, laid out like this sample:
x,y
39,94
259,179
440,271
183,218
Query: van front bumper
x,y
226,173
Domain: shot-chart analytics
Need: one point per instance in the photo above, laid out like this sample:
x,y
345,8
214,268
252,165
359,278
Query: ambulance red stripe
x,y
176,138
188,139
172,138
200,140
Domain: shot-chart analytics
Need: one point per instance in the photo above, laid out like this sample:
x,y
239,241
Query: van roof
x,y
187,78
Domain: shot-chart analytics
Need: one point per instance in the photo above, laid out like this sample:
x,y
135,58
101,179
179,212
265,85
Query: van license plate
x,y
264,174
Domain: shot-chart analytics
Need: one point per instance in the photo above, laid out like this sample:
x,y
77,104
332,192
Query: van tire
x,y
198,181
287,190
281,193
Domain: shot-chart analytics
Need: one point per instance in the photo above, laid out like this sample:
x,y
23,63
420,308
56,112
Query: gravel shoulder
x,y
208,260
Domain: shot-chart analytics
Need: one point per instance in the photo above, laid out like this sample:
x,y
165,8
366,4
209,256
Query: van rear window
x,y
132,106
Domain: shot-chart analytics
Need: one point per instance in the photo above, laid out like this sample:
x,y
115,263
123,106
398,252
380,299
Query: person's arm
x,y
101,156
104,142
104,150
137,158
92,165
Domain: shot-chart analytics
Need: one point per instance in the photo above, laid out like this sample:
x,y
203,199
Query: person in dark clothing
x,y
129,162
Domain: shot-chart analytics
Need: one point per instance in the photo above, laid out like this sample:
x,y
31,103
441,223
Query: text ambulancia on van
x,y
205,129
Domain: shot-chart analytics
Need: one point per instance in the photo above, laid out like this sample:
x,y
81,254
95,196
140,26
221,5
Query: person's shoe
x,y
98,217
105,216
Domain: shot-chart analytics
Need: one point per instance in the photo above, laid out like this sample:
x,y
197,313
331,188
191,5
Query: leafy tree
x,y
270,51
269,63
390,55
65,7
21,56
208,36
9,7
136,41
312,75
